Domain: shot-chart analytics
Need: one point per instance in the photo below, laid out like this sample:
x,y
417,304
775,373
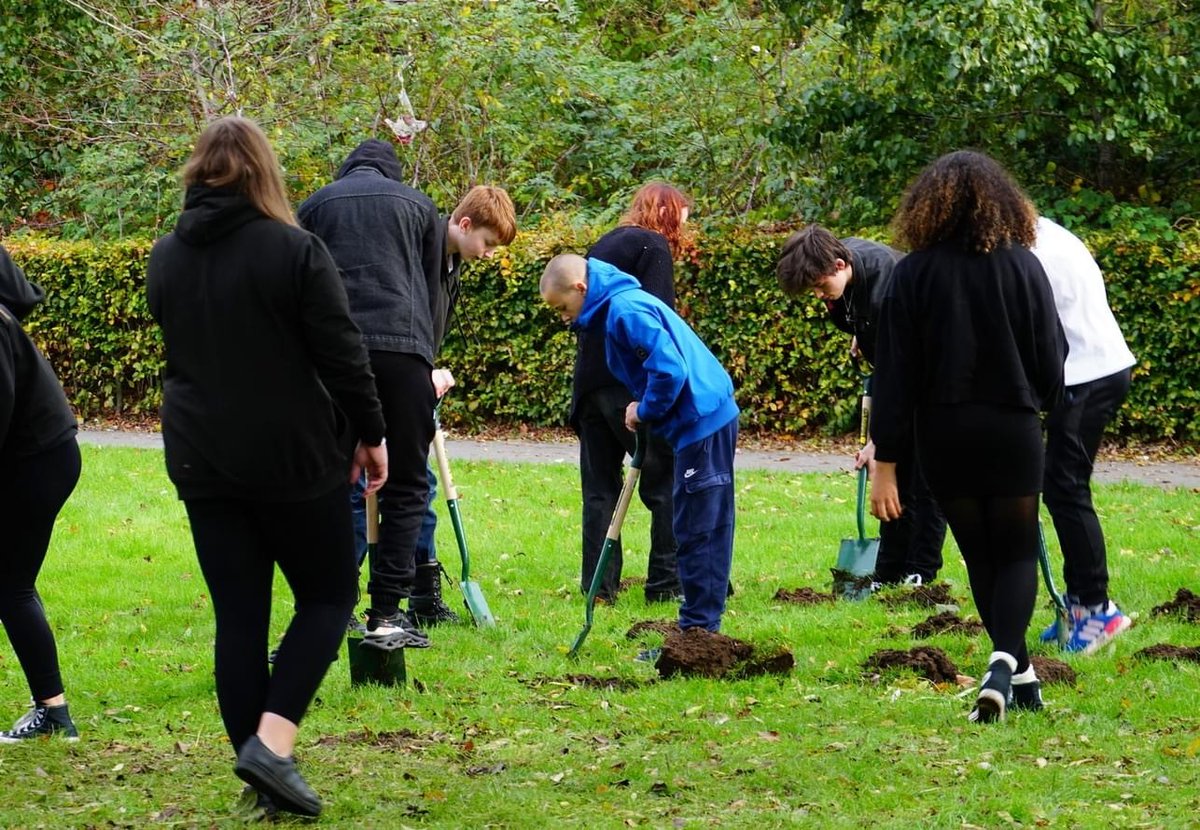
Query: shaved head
x,y
564,286
562,273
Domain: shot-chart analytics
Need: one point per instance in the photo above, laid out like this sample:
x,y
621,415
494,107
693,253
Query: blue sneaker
x,y
1091,631
1050,633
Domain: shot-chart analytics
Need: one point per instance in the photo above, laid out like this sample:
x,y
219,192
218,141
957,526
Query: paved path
x,y
1165,474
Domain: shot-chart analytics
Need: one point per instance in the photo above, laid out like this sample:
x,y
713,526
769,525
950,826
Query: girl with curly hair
x,y
970,351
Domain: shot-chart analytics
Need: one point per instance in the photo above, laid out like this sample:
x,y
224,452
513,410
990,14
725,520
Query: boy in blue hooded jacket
x,y
681,392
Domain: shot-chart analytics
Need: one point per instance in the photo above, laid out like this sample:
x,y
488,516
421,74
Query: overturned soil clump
x,y
699,653
851,585
1186,604
927,661
1051,671
930,596
803,596
1166,651
946,622
663,627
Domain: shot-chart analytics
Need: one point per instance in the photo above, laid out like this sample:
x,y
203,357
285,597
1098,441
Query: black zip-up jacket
x,y
384,237
34,413
646,256
267,384
857,310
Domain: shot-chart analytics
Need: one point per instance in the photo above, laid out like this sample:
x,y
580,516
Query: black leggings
x,y
238,544
998,537
32,491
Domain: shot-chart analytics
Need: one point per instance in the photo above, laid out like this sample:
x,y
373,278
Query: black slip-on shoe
x,y
277,778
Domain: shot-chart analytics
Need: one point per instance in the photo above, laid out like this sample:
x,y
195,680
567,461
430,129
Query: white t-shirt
x,y
1097,347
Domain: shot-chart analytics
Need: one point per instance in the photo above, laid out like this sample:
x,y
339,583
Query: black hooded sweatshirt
x,y
267,384
34,413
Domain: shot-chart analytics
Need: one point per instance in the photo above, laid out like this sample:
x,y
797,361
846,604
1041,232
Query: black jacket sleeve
x,y
335,343
17,292
898,370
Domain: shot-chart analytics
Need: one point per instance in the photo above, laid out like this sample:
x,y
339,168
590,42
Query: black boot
x,y
425,606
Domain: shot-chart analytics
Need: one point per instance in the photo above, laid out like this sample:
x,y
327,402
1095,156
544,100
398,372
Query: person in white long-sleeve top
x,y
1096,377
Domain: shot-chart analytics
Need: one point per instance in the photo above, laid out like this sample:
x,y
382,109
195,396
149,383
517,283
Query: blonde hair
x,y
233,152
489,207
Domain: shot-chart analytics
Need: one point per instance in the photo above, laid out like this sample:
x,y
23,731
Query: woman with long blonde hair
x,y
269,411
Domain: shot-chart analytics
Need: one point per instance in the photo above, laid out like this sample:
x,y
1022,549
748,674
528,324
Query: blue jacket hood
x,y
604,282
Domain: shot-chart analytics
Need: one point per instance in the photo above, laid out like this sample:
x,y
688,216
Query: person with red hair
x,y
646,243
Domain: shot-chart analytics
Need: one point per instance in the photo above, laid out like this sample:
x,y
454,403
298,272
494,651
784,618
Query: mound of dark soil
x,y
1050,671
929,596
630,582
803,596
663,627
931,663
1166,651
946,622
1185,603
699,653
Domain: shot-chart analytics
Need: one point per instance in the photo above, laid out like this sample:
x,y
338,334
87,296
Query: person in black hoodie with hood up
x,y
39,467
269,411
389,246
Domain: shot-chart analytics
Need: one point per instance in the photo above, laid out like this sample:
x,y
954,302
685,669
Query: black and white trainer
x,y
42,720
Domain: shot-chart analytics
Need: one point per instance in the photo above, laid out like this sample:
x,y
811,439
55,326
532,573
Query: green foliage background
x,y
513,358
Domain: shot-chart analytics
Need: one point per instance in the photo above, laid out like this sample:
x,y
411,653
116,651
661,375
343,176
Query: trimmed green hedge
x,y
513,358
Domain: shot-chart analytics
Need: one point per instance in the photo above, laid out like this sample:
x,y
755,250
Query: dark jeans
x,y
426,549
1073,432
408,398
238,543
704,520
911,544
32,491
603,444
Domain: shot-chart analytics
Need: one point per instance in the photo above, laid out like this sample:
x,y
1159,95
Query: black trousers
x,y
913,543
1073,432
408,398
238,544
32,491
603,444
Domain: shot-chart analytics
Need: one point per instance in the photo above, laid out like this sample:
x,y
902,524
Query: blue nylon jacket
x,y
685,394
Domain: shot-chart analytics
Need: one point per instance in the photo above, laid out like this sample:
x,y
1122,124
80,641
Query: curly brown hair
x,y
965,197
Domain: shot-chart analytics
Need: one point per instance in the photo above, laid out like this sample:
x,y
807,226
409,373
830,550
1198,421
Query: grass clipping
x,y
699,653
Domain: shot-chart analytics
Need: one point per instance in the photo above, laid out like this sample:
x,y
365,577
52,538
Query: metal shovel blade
x,y
614,533
856,557
472,593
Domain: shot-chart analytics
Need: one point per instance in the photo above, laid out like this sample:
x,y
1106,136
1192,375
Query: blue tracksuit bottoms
x,y
703,520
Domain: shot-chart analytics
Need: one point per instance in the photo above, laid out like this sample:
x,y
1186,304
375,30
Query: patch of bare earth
x,y
929,596
946,622
663,627
699,653
803,596
1186,604
926,661
1051,671
1166,651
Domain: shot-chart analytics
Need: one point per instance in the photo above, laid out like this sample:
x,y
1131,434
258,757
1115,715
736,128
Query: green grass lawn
x,y
490,733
